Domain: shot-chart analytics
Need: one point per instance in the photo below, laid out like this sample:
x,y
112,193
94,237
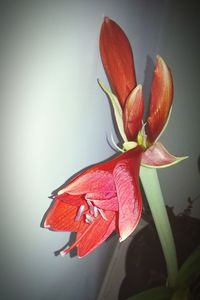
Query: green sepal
x,y
117,109
159,293
129,145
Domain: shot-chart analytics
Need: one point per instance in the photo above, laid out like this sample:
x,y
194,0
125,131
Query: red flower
x,y
106,197
102,199
128,100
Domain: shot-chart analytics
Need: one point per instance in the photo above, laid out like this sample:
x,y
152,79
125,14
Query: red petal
x,y
93,236
126,176
61,217
98,179
99,231
117,58
161,100
75,200
133,113
109,204
158,156
94,180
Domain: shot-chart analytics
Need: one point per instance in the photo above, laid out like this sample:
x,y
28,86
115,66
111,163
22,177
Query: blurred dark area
x,y
145,264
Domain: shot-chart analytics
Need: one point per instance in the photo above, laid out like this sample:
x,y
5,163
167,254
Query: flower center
x,y
140,141
142,137
89,214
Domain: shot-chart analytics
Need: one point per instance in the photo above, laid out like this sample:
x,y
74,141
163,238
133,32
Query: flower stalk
x,y
151,185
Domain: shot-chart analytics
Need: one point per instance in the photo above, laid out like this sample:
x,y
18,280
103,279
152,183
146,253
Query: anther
x,y
96,212
88,219
91,207
80,212
102,214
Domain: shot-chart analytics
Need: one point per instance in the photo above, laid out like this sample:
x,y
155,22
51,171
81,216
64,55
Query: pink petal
x,y
91,181
109,204
158,156
98,179
126,174
101,195
117,58
161,100
133,113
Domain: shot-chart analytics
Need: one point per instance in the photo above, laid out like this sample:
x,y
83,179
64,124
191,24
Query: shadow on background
x,y
148,76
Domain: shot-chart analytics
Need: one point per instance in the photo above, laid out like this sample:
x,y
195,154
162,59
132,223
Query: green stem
x,y
151,185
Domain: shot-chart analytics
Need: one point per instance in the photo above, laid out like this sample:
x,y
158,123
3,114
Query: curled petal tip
x,y
159,58
62,253
47,226
61,192
106,19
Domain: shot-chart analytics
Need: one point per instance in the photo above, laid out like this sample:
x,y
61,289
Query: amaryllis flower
x,y
104,198
128,102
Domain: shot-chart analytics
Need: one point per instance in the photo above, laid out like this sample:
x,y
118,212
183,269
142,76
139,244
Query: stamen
x,y
89,202
91,206
88,219
92,210
80,213
102,214
96,212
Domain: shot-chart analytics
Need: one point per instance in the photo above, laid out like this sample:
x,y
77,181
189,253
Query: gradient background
x,y
55,119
